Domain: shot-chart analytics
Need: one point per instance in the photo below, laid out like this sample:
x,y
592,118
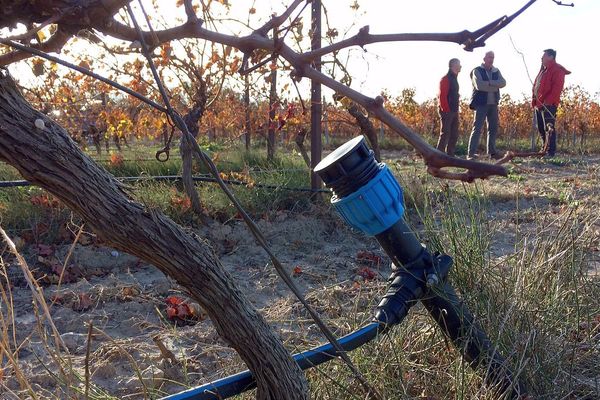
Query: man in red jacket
x,y
449,100
546,96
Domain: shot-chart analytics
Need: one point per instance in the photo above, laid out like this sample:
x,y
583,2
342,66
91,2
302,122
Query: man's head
x,y
454,65
488,59
548,56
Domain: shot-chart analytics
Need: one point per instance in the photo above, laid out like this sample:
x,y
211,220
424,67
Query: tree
x,y
45,155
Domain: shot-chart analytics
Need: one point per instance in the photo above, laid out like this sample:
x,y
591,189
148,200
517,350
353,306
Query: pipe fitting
x,y
366,194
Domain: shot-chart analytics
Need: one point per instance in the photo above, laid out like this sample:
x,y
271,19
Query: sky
x,y
572,31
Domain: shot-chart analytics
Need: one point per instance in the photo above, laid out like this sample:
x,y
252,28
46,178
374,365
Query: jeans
x,y
448,132
546,118
489,112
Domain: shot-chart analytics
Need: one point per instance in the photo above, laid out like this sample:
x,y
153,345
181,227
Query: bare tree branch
x,y
52,45
560,3
33,32
28,12
189,10
84,71
277,20
366,128
470,40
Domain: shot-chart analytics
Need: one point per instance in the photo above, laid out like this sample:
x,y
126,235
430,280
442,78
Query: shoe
x,y
473,157
496,156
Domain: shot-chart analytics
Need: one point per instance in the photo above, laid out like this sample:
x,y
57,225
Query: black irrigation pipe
x,y
175,178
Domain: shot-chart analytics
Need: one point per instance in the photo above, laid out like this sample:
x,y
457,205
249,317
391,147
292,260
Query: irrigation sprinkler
x,y
369,198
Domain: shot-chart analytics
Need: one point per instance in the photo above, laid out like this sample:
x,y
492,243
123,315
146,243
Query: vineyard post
x,y
316,108
273,104
247,121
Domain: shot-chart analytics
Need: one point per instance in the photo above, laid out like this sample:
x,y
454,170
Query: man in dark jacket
x,y
547,87
487,81
449,98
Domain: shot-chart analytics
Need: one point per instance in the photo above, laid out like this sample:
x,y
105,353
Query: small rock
x,y
114,253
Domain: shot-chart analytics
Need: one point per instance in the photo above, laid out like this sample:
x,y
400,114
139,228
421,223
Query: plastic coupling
x,y
374,207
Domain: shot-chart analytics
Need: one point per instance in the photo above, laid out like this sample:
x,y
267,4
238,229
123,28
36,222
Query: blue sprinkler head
x,y
366,193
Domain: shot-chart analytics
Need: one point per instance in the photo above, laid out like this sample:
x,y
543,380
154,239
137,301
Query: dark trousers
x,y
448,132
487,112
546,118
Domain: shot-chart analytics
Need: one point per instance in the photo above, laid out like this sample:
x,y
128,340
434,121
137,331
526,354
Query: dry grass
x,y
523,252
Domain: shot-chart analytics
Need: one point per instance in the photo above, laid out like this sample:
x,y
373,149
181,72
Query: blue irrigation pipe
x,y
240,382
174,178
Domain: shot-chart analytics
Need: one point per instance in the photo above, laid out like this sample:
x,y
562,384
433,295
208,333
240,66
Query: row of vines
x,y
95,113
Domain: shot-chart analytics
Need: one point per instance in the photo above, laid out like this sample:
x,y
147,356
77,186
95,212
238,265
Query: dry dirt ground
x,y
127,299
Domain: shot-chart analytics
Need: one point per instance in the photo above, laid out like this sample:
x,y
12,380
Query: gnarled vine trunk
x,y
50,159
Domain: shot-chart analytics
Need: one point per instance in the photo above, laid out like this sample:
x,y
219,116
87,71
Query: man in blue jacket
x,y
487,81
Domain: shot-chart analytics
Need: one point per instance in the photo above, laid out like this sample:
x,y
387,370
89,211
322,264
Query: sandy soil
x,y
126,298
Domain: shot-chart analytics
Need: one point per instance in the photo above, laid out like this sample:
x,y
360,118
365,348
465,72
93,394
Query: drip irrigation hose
x,y
175,178
405,290
240,382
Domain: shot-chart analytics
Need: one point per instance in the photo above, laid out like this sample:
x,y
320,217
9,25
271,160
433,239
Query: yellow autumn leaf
x,y
41,36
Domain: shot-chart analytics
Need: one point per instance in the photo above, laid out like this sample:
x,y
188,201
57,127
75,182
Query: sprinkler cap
x,y
349,167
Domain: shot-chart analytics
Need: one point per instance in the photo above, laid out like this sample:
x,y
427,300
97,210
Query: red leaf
x,y
367,273
179,310
171,312
174,301
366,257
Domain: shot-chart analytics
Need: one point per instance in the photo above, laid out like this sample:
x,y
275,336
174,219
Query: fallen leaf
x,y
71,274
179,310
368,258
57,299
84,302
129,292
297,271
367,273
85,240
